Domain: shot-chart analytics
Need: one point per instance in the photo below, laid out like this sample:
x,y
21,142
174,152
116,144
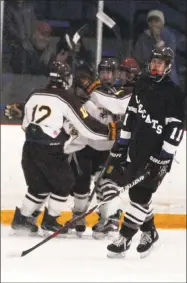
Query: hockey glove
x,y
114,130
14,111
159,166
118,155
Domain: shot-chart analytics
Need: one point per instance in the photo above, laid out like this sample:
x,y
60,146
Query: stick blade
x,y
14,254
105,19
80,33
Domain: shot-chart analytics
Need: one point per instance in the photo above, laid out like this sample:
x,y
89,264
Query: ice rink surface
x,y
84,260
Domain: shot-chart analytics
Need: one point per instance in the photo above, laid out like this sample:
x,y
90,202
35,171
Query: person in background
x,y
37,61
19,23
157,35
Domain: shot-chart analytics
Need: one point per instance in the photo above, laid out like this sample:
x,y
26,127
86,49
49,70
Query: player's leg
x,y
149,237
109,213
136,213
37,191
57,171
81,165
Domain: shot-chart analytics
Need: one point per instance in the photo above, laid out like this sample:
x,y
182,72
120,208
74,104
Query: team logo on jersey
x,y
84,112
147,117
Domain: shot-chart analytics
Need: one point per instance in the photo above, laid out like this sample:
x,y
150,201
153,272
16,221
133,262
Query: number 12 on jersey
x,y
44,110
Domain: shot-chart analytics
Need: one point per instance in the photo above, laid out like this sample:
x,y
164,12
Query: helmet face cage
x,y
167,55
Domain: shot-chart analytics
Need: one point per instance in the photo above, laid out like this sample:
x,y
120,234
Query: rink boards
x,y
169,201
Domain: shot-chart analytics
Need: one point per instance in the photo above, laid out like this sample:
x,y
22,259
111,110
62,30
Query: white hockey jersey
x,y
47,110
97,105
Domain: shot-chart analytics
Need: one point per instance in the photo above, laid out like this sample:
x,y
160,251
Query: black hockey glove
x,y
118,155
159,166
14,111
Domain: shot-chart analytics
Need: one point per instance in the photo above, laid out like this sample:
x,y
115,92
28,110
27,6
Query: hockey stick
x,y
83,215
114,27
72,44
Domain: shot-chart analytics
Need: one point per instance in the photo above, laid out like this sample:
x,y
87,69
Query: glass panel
x,y
33,37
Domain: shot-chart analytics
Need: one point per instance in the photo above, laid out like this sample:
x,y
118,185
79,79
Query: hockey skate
x,y
50,225
119,247
79,226
107,228
23,224
148,241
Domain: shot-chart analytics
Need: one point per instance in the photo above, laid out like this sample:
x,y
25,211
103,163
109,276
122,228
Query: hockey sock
x,y
149,221
134,218
80,202
32,203
55,204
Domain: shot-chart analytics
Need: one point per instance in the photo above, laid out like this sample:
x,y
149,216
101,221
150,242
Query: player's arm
x,y
174,124
128,123
172,136
87,125
115,103
118,153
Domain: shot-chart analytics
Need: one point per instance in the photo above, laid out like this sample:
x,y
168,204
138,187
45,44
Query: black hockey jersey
x,y
154,120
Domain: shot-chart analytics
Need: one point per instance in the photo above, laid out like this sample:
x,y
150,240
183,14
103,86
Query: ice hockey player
x,y
45,165
152,130
90,154
87,161
127,76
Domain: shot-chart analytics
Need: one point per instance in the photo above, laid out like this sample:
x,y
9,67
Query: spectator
x,y
38,60
20,20
156,35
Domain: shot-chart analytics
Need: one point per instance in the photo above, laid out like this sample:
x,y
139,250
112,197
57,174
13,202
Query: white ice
x,y
84,260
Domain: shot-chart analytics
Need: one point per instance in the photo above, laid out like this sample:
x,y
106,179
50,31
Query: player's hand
x,y
158,166
14,111
114,129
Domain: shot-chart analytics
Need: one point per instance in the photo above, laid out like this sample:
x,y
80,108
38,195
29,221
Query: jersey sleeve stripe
x,y
171,119
125,135
132,109
171,149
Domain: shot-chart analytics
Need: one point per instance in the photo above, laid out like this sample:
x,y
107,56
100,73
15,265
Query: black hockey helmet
x,y
60,74
82,65
109,64
166,54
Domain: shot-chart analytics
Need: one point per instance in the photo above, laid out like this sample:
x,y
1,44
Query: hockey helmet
x,y
130,65
129,70
163,53
83,65
109,64
108,71
60,74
